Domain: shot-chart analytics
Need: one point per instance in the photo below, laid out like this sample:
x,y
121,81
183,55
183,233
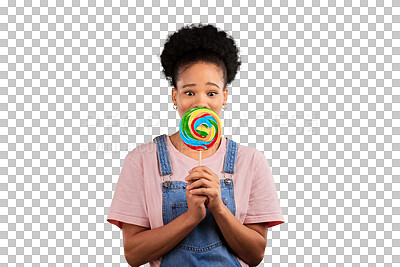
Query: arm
x,y
141,246
149,245
247,241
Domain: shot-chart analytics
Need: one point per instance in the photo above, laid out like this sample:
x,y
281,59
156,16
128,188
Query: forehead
x,y
201,72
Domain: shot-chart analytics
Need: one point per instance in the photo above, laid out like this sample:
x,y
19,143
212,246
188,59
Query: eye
x,y
190,92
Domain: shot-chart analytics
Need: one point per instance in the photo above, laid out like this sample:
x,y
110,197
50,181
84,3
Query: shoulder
x,y
141,152
250,154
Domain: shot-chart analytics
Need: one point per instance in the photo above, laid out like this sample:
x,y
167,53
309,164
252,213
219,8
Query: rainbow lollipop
x,y
200,129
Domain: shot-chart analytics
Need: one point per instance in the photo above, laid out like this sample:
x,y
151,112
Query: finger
x,y
200,191
202,198
204,169
198,175
200,182
198,197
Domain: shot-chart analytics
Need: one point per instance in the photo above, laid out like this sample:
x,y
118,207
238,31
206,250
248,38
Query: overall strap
x,y
230,156
163,155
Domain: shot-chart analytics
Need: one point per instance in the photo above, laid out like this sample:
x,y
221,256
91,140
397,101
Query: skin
x,y
193,91
203,191
207,90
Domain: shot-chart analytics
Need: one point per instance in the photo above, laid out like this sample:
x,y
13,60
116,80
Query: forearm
x,y
152,244
247,243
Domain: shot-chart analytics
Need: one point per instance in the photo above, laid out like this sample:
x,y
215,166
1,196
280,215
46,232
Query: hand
x,y
203,181
196,206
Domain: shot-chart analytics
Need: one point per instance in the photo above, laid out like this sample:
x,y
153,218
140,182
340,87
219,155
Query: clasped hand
x,y
203,181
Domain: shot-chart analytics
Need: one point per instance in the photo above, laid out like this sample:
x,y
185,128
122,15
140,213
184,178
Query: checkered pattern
x,y
318,92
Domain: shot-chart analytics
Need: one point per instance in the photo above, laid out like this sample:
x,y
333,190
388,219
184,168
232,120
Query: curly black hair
x,y
199,43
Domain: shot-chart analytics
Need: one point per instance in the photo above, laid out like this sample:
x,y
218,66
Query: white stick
x,y
200,158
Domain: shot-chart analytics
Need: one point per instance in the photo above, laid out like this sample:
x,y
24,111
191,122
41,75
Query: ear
x,y
174,91
226,95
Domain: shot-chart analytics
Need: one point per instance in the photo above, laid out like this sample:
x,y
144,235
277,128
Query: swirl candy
x,y
200,128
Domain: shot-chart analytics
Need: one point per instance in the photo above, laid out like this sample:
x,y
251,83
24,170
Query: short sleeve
x,y
263,201
129,202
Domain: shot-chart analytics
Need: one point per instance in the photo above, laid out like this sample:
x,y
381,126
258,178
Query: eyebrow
x,y
193,84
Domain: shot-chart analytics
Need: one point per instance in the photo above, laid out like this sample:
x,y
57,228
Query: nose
x,y
201,102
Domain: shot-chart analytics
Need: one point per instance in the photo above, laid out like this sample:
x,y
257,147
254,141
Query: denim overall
x,y
204,245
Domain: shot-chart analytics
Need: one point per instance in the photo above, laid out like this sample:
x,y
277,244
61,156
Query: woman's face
x,y
200,85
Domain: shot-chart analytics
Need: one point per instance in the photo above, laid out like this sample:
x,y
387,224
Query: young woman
x,y
173,212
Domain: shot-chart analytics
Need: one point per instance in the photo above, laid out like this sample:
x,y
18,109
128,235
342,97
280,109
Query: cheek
x,y
218,106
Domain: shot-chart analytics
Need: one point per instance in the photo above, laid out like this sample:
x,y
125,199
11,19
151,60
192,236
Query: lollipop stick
x,y
200,158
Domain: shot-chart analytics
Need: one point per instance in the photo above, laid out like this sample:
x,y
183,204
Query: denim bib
x,y
204,245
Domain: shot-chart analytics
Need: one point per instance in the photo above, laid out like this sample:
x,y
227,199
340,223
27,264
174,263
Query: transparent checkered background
x,y
318,92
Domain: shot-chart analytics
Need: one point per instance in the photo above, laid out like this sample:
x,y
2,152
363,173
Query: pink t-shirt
x,y
138,195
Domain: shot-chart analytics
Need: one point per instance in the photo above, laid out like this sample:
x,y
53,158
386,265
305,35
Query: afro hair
x,y
201,43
